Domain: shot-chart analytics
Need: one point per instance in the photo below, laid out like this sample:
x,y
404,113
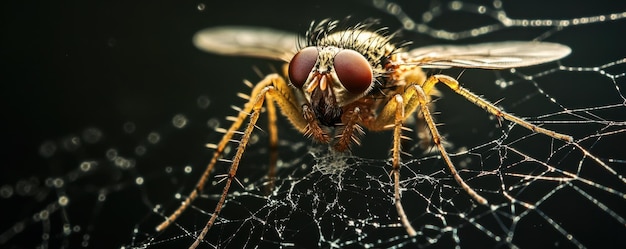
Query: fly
x,y
340,82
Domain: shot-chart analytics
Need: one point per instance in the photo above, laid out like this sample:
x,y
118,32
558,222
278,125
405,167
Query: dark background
x,y
72,65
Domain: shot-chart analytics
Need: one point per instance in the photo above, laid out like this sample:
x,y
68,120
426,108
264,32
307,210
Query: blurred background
x,y
89,81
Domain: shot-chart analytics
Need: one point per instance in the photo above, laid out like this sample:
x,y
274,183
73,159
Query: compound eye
x,y
301,65
353,70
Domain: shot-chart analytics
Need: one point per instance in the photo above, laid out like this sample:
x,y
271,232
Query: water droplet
x,y
44,215
18,227
497,4
213,123
124,163
86,166
408,24
26,187
203,102
58,182
254,139
140,150
154,137
6,191
47,149
129,127
71,143
482,9
66,229
63,201
456,5
111,154
92,135
179,121
201,6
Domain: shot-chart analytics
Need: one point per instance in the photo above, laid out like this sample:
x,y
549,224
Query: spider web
x,y
109,184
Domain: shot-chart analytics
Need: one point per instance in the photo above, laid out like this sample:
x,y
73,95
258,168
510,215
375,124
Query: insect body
x,y
341,81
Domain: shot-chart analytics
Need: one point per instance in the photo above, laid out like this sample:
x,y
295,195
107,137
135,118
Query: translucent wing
x,y
247,41
496,55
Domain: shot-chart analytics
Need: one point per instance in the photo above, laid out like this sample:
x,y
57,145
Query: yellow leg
x,y
268,92
423,104
454,85
273,143
285,100
396,151
414,97
256,110
392,116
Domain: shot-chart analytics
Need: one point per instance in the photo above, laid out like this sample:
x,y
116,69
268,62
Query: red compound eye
x,y
353,70
301,65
